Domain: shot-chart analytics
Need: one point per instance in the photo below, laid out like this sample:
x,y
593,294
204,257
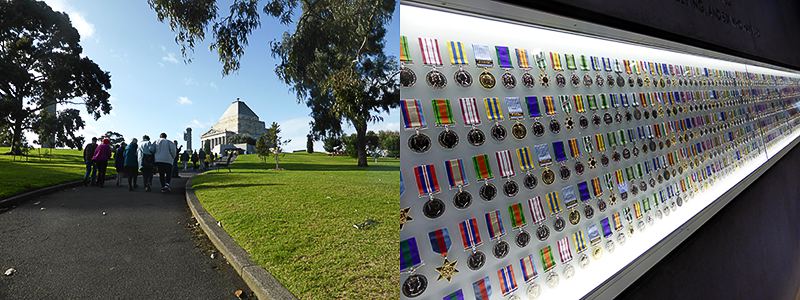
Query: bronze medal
x,y
487,79
499,132
476,137
433,208
463,78
530,181
407,77
528,80
500,249
626,154
510,188
488,191
542,233
448,139
548,176
637,114
462,199
419,142
519,131
476,260
508,80
652,145
436,79
574,217
538,128
414,285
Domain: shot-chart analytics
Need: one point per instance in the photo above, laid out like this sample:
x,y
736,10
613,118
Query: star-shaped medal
x,y
405,216
447,270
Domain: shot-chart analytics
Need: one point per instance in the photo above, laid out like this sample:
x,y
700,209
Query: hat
x,y
106,141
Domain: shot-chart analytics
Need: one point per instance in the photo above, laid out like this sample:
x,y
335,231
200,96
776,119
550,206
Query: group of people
x,y
195,157
131,159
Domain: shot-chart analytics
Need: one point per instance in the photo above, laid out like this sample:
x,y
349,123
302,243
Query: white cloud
x,y
84,27
189,81
170,57
197,124
184,100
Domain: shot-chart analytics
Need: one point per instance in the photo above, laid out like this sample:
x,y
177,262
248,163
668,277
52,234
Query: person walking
x,y
194,160
165,155
88,153
147,162
185,160
132,164
202,156
119,161
100,159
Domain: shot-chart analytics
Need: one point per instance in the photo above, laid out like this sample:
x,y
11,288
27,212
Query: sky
x,y
153,90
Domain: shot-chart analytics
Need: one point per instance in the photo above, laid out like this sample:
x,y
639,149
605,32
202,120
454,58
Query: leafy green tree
x,y
332,144
115,138
263,148
390,142
333,59
241,139
274,143
310,143
42,64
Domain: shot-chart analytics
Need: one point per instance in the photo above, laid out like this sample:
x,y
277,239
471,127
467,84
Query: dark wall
x,y
749,250
764,30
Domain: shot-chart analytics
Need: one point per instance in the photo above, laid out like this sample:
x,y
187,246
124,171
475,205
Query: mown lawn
x,y
298,223
38,171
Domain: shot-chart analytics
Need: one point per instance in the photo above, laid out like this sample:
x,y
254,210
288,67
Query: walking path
x,y
145,246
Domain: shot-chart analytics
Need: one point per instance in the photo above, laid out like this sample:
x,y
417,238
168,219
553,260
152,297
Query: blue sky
x,y
154,91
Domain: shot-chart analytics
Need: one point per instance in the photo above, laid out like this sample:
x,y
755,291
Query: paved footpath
x,y
146,246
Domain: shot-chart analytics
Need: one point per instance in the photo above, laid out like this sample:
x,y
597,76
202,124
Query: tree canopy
x,y
41,64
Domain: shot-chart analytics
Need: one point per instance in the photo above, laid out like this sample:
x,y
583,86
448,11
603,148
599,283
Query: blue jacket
x,y
131,156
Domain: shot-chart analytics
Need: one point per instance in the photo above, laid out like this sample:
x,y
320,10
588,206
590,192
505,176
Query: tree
x,y
332,144
263,148
241,139
310,143
333,59
271,143
390,142
115,138
41,64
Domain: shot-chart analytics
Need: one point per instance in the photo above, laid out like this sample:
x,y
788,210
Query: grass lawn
x,y
298,223
37,172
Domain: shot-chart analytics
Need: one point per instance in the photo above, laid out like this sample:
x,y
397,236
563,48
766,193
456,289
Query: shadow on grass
x,y
232,185
290,166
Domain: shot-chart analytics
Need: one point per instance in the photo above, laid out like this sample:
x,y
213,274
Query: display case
x,y
543,163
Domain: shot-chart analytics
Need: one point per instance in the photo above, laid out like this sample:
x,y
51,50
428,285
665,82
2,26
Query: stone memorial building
x,y
237,119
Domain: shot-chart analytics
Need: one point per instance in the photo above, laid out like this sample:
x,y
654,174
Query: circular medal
x,y
559,224
579,168
626,154
604,160
652,145
548,176
639,81
610,80
623,195
523,238
643,186
620,81
433,208
583,122
588,211
529,181
574,217
592,163
448,139
509,81
647,114
647,81
679,201
597,252
533,291
555,127
575,80
407,77
583,260
601,205
608,119
637,114
476,260
462,199
587,80
500,249
667,175
599,80
569,123
528,80
476,137
564,172
544,79
519,131
610,245
499,132
414,285
560,80
488,191
487,79
621,238
538,128
644,147
569,271
596,120
542,233
463,78
510,188
652,182
419,142
630,81
436,79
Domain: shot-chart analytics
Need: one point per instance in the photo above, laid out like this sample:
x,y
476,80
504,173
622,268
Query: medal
x,y
548,264
518,222
413,119
529,274
579,240
545,160
405,216
448,139
515,113
504,62
566,256
560,80
575,80
553,204
415,284
457,179
428,185
522,60
570,202
508,283
496,231
482,288
495,113
610,80
458,57
506,167
407,76
440,243
484,172
483,59
535,206
471,239
526,164
431,57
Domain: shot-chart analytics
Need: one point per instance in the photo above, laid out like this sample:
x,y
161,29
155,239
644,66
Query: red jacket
x,y
102,153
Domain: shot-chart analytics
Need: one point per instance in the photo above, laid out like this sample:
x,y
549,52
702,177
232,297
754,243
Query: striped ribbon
x,y
533,106
606,227
617,67
549,105
457,54
517,216
483,56
504,163
470,236
522,58
524,157
596,187
596,63
555,61
541,62
565,104
637,208
570,61
482,169
617,221
646,202
547,258
592,101
612,139
430,51
483,289
570,200
495,224
628,217
580,241
594,234
609,181
574,149
514,108
603,101
508,283
627,66
442,112
405,56
412,114
535,206
618,176
503,57
584,63
409,254
493,110
456,176
427,183
587,144
553,202
606,64
440,241
599,140
457,295
579,107
564,251
528,268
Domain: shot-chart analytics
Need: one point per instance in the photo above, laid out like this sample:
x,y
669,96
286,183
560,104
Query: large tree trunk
x,y
16,137
361,143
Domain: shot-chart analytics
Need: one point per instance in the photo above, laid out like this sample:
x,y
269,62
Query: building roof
x,y
236,109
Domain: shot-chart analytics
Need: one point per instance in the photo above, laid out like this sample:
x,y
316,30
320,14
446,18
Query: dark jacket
x,y
119,157
184,156
131,156
88,152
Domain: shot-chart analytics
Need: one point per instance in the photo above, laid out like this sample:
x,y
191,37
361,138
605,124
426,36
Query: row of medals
x,y
437,80
416,284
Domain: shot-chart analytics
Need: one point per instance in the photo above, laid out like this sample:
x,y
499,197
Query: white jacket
x,y
165,151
